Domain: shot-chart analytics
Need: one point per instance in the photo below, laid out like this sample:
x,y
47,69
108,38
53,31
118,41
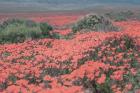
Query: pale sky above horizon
x,y
75,1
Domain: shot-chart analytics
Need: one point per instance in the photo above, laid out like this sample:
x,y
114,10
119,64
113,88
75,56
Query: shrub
x,y
120,16
56,35
46,28
30,23
94,23
18,30
54,72
11,21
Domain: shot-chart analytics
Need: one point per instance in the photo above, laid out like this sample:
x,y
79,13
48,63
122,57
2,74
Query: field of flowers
x,y
92,62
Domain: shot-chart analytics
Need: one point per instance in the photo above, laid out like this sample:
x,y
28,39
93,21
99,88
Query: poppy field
x,y
91,62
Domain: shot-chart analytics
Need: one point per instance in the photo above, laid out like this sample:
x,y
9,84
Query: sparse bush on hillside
x,y
17,30
120,16
94,23
46,28
30,23
19,33
11,21
14,21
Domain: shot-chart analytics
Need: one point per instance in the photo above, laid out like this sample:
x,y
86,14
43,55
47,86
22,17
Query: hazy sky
x,y
43,5
76,1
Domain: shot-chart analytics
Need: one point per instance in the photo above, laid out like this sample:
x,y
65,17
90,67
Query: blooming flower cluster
x,y
96,61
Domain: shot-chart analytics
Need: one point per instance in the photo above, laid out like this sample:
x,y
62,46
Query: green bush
x,y
28,23
93,23
54,72
46,28
17,30
120,16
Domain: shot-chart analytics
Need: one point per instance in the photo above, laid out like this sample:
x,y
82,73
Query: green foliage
x,y
94,23
3,86
67,37
6,54
104,88
18,30
49,45
54,72
56,35
12,78
47,84
95,87
81,81
134,79
120,16
46,28
33,79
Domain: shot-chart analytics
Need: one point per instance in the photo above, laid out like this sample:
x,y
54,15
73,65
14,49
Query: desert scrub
x,y
93,22
19,30
46,28
120,16
28,23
